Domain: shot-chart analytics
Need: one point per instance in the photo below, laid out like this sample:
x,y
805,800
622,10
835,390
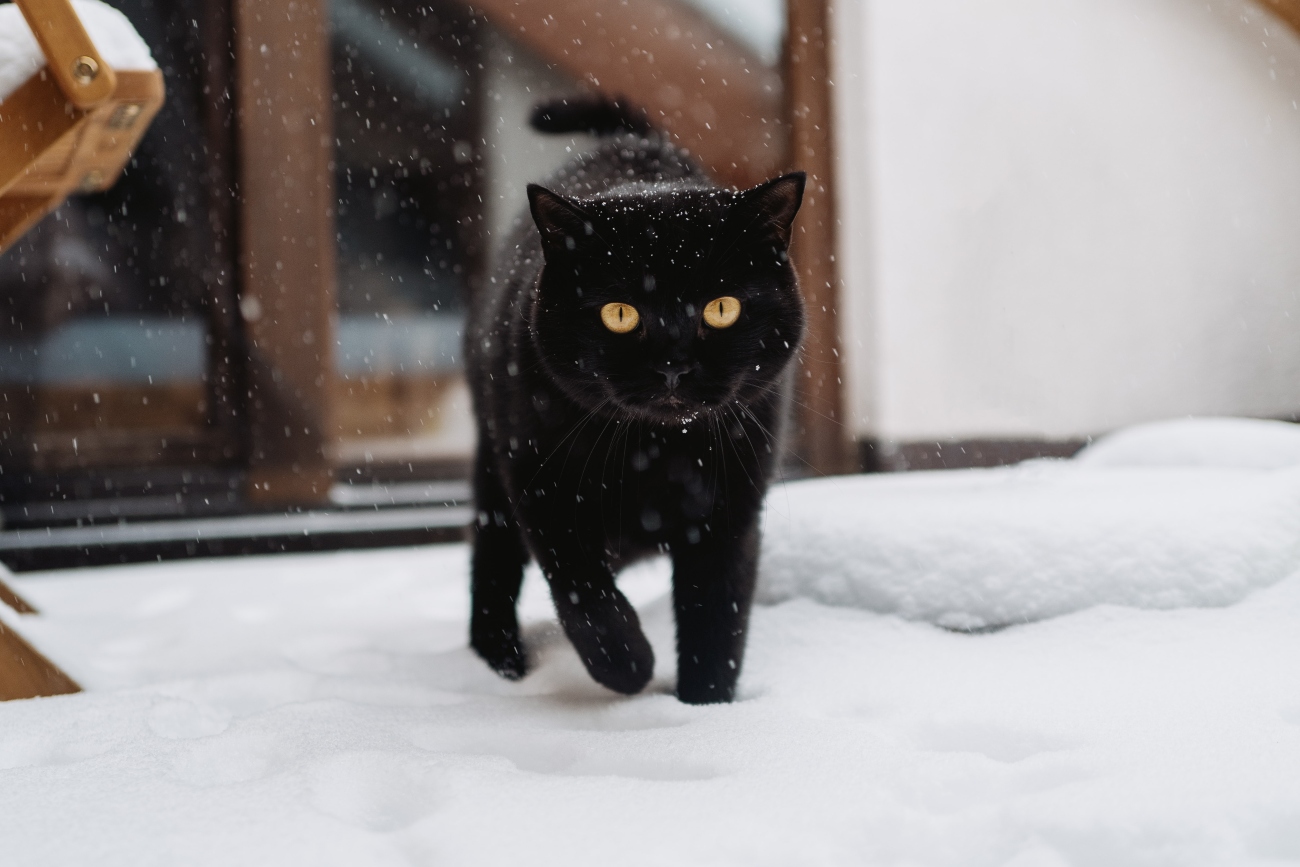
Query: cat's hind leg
x,y
496,573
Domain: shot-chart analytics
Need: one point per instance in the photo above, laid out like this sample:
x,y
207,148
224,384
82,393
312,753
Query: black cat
x,y
629,367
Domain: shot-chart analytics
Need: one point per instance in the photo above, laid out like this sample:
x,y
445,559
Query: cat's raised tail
x,y
595,114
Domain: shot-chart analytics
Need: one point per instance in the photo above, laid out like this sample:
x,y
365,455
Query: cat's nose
x,y
672,373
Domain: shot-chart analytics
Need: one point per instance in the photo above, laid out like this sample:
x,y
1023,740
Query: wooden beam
x,y
37,120
11,598
1287,10
693,79
25,673
51,148
824,441
18,214
287,245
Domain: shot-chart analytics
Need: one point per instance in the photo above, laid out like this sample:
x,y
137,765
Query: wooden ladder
x,y
71,127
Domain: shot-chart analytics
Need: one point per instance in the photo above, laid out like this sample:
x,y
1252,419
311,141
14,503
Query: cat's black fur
x,y
597,448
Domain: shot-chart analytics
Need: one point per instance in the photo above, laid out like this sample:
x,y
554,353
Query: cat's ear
x,y
562,224
771,206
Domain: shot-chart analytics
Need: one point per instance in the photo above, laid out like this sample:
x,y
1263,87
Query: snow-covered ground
x,y
323,709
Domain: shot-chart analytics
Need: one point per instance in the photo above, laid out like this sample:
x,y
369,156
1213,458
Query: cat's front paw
x,y
627,670
615,652
501,650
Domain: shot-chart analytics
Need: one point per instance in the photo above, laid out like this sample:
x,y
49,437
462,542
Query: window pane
x,y
115,310
406,115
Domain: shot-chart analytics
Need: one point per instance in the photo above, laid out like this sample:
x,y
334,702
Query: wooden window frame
x,y
287,246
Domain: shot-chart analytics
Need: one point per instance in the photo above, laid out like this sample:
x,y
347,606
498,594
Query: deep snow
x,y
323,709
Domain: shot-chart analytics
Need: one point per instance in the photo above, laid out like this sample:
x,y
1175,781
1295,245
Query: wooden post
x,y
287,251
823,441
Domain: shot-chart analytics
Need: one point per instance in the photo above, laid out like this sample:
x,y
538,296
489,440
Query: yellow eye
x,y
722,312
619,318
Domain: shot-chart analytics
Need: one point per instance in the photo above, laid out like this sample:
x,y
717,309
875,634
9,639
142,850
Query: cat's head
x,y
667,301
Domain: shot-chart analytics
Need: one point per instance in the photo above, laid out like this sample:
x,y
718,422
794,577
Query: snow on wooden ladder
x,y
72,125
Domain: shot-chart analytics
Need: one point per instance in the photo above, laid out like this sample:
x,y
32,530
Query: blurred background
x,y
1029,223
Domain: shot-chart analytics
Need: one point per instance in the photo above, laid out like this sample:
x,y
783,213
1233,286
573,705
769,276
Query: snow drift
x,y
1226,443
1190,513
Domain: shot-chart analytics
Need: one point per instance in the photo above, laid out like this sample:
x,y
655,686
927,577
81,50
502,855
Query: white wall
x,y
515,154
1062,216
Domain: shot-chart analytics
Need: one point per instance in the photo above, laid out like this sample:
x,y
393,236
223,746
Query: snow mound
x,y
109,29
972,549
1243,443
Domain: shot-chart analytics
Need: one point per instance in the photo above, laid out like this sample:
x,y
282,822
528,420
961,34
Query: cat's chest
x,y
572,458
660,476
657,483
592,450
